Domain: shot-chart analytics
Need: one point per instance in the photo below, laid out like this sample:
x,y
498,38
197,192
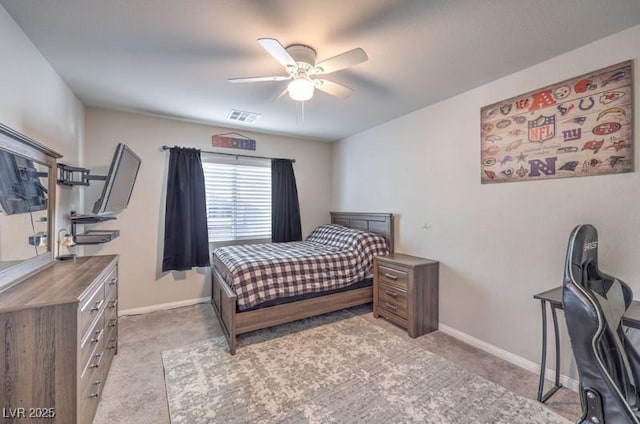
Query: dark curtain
x,y
186,242
285,210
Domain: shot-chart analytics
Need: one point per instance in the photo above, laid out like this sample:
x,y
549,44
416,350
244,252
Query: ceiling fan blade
x,y
333,88
260,79
275,49
341,61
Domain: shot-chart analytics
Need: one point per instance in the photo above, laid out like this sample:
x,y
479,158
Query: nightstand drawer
x,y
392,300
393,276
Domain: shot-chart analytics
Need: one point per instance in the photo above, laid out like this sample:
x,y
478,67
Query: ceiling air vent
x,y
241,116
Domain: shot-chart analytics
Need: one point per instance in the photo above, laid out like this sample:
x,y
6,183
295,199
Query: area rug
x,y
336,368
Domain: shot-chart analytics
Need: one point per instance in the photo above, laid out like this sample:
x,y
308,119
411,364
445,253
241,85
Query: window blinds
x,y
238,198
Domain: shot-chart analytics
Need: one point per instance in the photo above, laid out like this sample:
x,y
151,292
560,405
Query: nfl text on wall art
x,y
579,127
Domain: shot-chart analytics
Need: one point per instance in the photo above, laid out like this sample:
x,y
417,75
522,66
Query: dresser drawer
x,y
393,276
111,319
91,385
110,347
111,328
111,283
90,307
96,359
111,301
92,340
111,341
392,300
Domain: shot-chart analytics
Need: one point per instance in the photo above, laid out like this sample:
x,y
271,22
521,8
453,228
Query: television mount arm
x,y
73,176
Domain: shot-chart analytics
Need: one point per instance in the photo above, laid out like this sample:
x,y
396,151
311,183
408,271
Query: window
x,y
238,198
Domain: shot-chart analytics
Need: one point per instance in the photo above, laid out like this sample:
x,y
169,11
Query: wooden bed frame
x,y
233,323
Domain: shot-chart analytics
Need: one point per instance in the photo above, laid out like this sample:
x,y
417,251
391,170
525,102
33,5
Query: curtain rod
x,y
233,154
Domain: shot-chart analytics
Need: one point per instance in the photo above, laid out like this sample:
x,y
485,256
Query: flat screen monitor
x,y
20,187
119,183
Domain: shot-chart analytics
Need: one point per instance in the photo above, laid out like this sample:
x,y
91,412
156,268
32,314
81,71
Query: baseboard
x,y
528,365
163,306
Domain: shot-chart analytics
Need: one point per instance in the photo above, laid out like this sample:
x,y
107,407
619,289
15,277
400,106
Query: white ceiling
x,y
173,57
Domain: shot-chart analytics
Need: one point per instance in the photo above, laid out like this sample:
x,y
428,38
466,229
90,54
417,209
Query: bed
x,y
235,319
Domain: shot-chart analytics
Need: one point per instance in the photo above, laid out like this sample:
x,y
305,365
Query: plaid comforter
x,y
331,257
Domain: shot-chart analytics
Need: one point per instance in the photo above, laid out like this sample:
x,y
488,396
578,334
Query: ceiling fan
x,y
300,63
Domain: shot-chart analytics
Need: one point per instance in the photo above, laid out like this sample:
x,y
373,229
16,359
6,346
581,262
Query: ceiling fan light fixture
x,y
301,89
299,61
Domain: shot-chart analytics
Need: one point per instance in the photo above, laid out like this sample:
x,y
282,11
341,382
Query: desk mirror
x,y
27,202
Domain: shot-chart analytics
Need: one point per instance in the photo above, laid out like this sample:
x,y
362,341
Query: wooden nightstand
x,y
405,291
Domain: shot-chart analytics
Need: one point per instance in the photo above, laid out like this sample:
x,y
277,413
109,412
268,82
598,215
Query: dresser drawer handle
x,y
97,305
113,281
97,363
97,336
97,393
390,276
113,303
113,322
390,306
391,293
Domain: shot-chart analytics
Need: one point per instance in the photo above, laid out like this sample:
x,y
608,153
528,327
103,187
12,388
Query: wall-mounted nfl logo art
x,y
579,127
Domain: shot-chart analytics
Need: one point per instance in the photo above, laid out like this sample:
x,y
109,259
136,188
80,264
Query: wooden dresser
x,y
58,335
405,291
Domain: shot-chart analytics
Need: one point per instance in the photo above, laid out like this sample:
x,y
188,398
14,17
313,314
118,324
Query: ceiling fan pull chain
x,y
299,113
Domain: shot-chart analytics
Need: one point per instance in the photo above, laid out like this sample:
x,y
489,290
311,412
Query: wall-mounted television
x,y
119,183
20,188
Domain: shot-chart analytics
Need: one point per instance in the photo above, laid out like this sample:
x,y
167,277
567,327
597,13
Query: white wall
x,y
141,225
498,244
35,101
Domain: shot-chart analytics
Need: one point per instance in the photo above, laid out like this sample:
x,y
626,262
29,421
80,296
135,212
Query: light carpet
x,y
334,368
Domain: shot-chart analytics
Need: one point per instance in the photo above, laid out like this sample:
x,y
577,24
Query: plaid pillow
x,y
334,235
344,238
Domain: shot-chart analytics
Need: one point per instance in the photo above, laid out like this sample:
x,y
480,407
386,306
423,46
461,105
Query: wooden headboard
x,y
380,223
